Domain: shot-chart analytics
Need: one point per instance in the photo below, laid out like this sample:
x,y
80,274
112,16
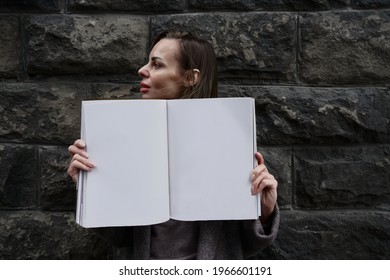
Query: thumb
x,y
260,158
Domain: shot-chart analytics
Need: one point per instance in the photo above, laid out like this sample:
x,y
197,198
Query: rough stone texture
x,y
345,47
128,5
40,112
18,176
254,47
303,115
32,5
237,5
9,46
336,178
47,236
302,5
273,5
86,45
318,70
58,192
114,91
336,235
370,4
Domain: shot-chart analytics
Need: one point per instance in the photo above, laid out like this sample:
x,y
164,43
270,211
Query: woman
x,y
183,66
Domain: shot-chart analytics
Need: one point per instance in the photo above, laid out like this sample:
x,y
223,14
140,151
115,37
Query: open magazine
x,y
187,159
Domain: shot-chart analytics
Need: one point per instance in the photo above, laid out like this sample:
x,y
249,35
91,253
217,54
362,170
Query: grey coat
x,y
217,239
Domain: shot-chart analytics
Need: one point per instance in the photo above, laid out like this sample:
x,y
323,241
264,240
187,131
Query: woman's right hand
x,y
79,160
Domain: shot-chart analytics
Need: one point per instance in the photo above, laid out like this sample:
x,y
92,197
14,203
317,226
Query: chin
x,y
146,96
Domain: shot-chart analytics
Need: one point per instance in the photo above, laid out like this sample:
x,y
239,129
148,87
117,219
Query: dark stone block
x,y
323,118
114,91
236,5
251,48
345,48
86,45
336,235
302,5
127,5
335,177
18,176
32,5
9,46
370,4
302,115
58,191
43,112
47,236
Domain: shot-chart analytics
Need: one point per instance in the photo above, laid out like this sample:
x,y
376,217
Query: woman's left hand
x,y
265,184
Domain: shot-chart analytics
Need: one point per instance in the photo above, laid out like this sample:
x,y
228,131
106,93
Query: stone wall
x,y
319,71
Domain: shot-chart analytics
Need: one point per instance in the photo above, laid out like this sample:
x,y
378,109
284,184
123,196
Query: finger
x,y
73,150
261,176
260,158
83,160
79,143
257,181
75,167
260,187
267,182
257,171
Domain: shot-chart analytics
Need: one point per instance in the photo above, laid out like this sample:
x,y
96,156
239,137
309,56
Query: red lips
x,y
144,87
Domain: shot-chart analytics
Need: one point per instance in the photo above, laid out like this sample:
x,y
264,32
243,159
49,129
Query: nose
x,y
143,71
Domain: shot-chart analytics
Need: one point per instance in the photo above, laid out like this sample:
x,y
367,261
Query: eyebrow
x,y
156,58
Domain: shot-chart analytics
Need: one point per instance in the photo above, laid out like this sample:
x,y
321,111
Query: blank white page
x,y
211,156
127,141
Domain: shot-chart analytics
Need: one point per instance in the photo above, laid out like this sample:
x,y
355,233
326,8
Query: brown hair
x,y
196,53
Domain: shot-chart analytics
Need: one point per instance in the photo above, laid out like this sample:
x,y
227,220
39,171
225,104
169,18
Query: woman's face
x,y
162,77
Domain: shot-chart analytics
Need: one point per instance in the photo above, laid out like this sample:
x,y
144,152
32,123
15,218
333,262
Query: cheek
x,y
168,82
159,82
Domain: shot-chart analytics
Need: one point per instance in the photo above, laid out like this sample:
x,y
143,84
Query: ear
x,y
192,77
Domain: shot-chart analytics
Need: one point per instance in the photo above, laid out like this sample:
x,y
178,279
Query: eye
x,y
156,65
